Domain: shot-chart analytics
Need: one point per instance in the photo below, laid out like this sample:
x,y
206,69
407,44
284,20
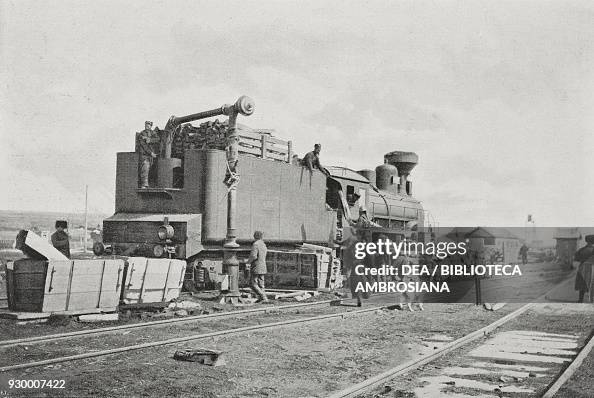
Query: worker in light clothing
x,y
60,238
257,260
147,154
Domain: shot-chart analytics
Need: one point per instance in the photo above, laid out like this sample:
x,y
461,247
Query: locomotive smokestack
x,y
404,162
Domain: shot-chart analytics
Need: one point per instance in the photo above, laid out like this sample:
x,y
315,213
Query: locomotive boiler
x,y
214,184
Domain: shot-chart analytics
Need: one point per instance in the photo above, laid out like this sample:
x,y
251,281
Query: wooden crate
x,y
69,285
152,280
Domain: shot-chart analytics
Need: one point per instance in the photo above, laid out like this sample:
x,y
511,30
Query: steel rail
x,y
376,381
570,370
184,339
112,329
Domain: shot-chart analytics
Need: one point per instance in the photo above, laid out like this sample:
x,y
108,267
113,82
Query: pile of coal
x,y
208,135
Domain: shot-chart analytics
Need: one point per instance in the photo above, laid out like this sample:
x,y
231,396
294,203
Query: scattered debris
x,y
59,320
164,315
302,297
185,308
506,379
90,318
203,356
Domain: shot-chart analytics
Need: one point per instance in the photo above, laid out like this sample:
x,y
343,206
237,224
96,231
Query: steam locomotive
x,y
187,210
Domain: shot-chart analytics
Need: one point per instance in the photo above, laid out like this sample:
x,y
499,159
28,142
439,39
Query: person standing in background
x,y
524,254
60,238
584,279
147,154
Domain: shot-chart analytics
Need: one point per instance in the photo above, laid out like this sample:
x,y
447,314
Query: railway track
x,y
114,329
303,315
181,339
372,384
511,353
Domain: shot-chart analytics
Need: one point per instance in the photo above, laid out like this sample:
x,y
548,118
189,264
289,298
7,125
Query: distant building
x,y
496,244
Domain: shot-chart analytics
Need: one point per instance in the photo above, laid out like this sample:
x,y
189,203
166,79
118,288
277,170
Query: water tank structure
x,y
385,175
404,162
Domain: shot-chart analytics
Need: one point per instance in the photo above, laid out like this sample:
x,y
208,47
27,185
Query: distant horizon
x,y
51,212
529,225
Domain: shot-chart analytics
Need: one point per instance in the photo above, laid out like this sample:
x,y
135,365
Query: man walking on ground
x,y
257,260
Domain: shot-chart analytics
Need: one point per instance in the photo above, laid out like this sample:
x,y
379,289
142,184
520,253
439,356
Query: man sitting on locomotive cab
x,y
312,160
147,154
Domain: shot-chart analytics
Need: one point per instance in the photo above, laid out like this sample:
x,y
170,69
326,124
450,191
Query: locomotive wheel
x,y
98,248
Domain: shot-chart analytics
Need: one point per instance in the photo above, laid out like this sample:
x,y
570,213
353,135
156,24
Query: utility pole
x,y
85,231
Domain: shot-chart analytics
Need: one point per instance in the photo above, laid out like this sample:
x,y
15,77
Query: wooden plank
x,y
250,140
279,147
41,246
290,154
283,154
278,141
132,280
10,283
57,286
111,283
84,284
249,134
253,151
143,286
101,284
69,288
264,146
166,281
276,156
157,278
178,267
30,316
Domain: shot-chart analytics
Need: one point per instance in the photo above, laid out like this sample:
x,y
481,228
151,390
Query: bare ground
x,y
294,361
551,318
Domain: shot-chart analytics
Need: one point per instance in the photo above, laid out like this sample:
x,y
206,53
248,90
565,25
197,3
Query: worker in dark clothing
x,y
147,154
524,254
60,239
257,260
584,279
312,160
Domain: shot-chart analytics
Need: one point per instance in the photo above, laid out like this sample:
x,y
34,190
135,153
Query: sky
x,y
496,98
